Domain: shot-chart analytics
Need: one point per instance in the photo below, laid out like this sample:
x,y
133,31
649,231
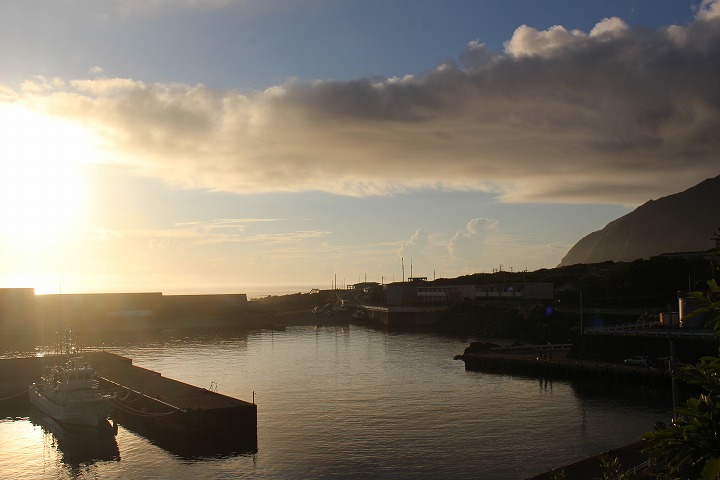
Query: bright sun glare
x,y
42,191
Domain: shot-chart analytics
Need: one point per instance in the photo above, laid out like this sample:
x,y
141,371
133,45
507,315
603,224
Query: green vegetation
x,y
612,469
534,323
558,475
639,284
650,285
690,446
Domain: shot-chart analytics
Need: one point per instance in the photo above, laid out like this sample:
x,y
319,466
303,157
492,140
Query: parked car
x,y
640,361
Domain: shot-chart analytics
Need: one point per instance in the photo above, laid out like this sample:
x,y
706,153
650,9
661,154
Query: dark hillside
x,y
683,222
652,283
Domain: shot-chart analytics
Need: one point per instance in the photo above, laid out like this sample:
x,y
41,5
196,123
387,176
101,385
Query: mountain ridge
x,y
680,222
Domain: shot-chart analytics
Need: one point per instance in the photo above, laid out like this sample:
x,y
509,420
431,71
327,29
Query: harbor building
x,y
424,293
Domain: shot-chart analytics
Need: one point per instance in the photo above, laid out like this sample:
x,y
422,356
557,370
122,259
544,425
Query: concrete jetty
x,y
170,404
153,405
556,364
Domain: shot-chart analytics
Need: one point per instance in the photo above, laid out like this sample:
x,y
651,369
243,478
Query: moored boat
x,y
66,393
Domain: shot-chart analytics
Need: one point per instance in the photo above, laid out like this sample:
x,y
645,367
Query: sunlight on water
x,y
20,443
353,402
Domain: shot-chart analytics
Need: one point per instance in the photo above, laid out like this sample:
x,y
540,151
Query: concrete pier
x,y
557,365
169,404
166,410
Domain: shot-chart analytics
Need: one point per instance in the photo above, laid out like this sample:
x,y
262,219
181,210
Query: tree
x,y
690,445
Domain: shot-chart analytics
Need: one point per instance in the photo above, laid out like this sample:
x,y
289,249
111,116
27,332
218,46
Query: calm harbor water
x,y
345,402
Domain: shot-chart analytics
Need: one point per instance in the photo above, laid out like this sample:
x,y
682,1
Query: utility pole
x,y
582,331
672,377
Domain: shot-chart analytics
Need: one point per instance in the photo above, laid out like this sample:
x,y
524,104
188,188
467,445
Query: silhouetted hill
x,y
651,283
683,222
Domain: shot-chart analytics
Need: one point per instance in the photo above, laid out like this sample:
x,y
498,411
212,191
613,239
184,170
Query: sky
x,y
268,146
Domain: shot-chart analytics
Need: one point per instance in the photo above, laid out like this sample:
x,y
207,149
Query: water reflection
x,y
188,446
199,448
79,446
653,398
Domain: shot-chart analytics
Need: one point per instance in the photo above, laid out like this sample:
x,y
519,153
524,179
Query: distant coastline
x,y
268,290
252,291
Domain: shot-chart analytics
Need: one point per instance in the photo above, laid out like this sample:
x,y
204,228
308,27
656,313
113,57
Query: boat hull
x,y
89,412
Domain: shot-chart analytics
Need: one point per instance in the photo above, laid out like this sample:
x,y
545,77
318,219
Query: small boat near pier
x,y
67,392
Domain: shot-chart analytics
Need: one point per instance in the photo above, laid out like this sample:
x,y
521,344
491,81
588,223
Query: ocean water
x,y
344,402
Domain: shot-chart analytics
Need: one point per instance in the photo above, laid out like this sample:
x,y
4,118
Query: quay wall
x,y
589,371
596,358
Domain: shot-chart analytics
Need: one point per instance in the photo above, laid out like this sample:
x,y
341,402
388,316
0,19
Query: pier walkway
x,y
171,404
554,363
178,395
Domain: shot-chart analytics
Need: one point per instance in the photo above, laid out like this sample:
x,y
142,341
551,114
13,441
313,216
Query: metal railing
x,y
650,332
547,346
622,327
650,462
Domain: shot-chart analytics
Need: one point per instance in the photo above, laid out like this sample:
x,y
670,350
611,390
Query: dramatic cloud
x,y
618,114
470,243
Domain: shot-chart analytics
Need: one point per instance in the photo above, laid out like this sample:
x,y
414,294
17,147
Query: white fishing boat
x,y
66,392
